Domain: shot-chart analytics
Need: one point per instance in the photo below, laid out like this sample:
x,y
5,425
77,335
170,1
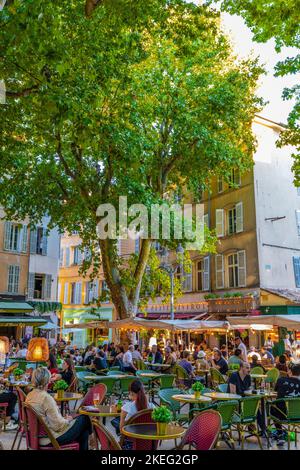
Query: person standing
x,y
240,345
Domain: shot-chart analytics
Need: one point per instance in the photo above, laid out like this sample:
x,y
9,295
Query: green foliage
x,y
17,372
211,296
229,295
60,385
162,414
143,99
279,20
198,387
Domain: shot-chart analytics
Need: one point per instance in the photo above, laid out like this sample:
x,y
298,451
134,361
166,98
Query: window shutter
x,y
80,256
61,257
239,217
13,279
296,262
58,292
30,286
188,281
24,234
66,293
298,221
44,242
95,289
7,235
78,293
48,282
219,271
242,268
67,256
205,281
220,222
205,220
86,293
33,241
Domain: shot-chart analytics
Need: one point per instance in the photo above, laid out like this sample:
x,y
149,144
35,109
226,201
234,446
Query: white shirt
x,y
136,355
253,353
243,348
127,359
287,344
130,408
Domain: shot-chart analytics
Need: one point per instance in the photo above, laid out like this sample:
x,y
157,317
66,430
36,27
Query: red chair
x,y
104,437
88,398
21,429
3,408
144,416
203,431
36,428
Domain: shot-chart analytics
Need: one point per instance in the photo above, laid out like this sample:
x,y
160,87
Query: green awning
x,y
15,307
21,321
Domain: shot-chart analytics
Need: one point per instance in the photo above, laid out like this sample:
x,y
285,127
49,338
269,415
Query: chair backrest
x,y
222,388
165,397
166,381
293,408
35,428
143,416
216,377
115,372
125,383
110,383
249,407
104,437
88,398
73,387
226,410
180,372
21,399
272,375
203,431
139,364
257,370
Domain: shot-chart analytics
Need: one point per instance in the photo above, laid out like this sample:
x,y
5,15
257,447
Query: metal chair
x,y
216,377
203,431
289,409
247,416
165,396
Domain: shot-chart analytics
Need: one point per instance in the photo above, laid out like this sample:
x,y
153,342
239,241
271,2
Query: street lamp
x,y
171,270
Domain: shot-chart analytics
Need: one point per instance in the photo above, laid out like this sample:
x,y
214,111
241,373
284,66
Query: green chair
x,y
227,410
222,388
124,384
257,370
272,376
165,397
115,368
182,377
216,377
248,416
167,381
139,364
115,372
80,368
290,417
83,384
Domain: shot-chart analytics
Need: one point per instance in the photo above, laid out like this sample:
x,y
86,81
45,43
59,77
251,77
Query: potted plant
x,y
18,373
60,386
162,416
197,387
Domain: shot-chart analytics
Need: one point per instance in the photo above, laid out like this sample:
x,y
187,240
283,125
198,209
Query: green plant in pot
x,y
197,388
60,386
162,416
18,373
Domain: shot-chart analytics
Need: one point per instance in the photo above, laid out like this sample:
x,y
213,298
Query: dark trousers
x,y
79,432
129,369
11,399
280,413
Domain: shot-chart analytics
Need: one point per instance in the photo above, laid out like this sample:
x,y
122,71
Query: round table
x,y
100,411
148,431
222,396
191,398
158,365
68,396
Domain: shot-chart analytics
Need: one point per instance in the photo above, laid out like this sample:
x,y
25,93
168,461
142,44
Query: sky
x,y
270,87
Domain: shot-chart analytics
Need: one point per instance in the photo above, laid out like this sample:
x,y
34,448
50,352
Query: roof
x,y
15,307
293,295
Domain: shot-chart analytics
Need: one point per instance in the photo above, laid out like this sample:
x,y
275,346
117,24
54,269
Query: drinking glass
x,y
96,399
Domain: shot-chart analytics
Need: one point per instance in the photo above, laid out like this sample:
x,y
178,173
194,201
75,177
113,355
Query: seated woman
x,y
65,430
68,372
51,364
282,363
138,402
11,399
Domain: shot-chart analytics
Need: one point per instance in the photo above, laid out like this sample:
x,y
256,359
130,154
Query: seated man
x,y
187,366
99,363
235,358
156,357
240,381
218,362
285,387
253,352
11,399
128,365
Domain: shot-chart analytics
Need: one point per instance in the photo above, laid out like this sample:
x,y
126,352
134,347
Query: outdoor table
x,y
68,396
222,396
191,400
163,366
100,411
257,377
148,431
100,377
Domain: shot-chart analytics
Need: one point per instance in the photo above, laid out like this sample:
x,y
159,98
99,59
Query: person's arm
x,y
55,419
123,418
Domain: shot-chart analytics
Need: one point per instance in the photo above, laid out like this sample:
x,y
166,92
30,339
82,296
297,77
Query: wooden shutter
x,y
205,281
7,235
47,286
86,293
24,237
95,289
296,263
66,293
30,285
61,257
78,293
13,279
58,292
44,242
33,241
188,281
205,220
219,271
242,268
67,256
239,217
220,222
298,221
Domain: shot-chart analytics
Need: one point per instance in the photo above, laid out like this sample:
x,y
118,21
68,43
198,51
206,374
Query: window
x,y
68,256
220,222
235,219
61,257
13,279
220,184
231,221
77,255
298,221
73,292
15,237
88,295
76,288
200,270
66,293
59,292
296,263
38,241
39,286
219,259
185,278
235,177
237,269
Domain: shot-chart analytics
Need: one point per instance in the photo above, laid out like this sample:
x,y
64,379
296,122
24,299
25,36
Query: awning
x,y
15,307
49,326
21,321
287,321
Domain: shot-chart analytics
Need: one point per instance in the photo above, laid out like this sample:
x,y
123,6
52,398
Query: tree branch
x,y
25,92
